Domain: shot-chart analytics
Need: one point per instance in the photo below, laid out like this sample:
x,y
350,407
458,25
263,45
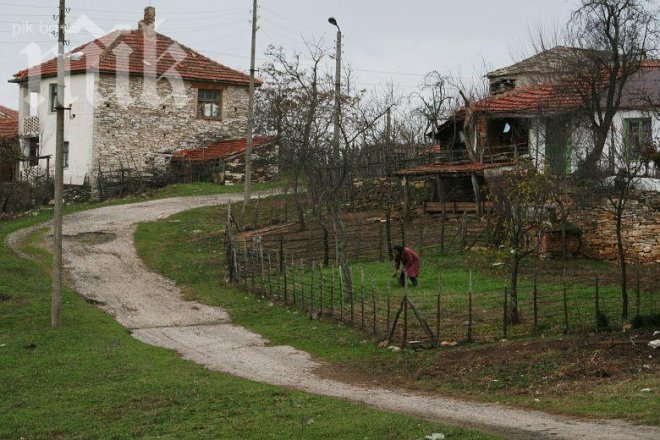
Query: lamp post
x,y
335,139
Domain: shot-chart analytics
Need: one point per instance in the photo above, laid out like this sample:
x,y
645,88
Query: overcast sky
x,y
385,40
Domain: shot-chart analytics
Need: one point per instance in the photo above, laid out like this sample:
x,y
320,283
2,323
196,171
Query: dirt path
x,y
105,268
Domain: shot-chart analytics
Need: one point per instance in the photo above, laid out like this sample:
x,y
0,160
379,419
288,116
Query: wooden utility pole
x,y
56,299
250,124
335,137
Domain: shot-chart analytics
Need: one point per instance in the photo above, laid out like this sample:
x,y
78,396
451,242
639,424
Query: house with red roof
x,y
8,138
134,98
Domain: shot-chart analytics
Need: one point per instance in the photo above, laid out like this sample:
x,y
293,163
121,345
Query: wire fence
x,y
298,268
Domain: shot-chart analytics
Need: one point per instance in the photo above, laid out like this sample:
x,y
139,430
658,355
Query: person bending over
x,y
409,262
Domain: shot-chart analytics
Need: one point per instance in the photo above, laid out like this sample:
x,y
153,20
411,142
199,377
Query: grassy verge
x,y
91,379
575,375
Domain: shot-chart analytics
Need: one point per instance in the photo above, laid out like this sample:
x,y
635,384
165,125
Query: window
x,y
53,98
209,103
65,155
637,137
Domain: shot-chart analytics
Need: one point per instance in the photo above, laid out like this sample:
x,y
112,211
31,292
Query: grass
x,y
188,248
91,379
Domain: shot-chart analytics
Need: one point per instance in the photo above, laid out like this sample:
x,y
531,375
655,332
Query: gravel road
x,y
105,269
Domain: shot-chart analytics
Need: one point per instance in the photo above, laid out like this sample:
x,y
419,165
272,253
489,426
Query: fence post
x,y
505,314
373,303
270,282
286,281
389,294
311,291
341,295
565,302
597,305
332,292
321,289
362,297
405,314
463,230
282,256
352,298
437,311
388,233
403,232
536,307
469,337
261,270
302,284
637,288
293,281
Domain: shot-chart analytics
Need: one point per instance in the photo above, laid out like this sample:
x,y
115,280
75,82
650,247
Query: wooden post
x,y
637,289
597,305
270,282
302,284
405,314
286,281
536,305
388,233
565,297
332,292
389,294
352,298
311,291
403,232
282,256
463,230
373,304
341,294
469,337
505,320
293,281
320,289
437,311
362,297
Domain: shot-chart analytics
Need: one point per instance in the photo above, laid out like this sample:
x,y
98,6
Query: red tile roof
x,y
141,51
532,99
221,150
451,168
8,122
541,98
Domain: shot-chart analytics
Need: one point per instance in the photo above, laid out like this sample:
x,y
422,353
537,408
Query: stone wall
x,y
144,135
265,166
641,232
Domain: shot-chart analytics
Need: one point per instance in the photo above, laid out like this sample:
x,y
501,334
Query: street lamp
x,y
335,139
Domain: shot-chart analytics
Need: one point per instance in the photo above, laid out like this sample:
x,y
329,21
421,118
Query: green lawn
x,y
189,249
91,379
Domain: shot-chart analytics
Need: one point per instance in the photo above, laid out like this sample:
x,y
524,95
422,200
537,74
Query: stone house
x,y
134,98
224,162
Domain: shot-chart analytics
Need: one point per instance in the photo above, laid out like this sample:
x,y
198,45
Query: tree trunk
x,y
296,198
564,233
340,231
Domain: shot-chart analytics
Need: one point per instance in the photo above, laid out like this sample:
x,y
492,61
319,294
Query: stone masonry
x,y
641,232
144,135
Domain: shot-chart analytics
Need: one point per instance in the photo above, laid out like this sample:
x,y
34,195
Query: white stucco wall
x,y
78,124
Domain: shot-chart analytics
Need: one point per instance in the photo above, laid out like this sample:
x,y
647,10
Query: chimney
x,y
149,16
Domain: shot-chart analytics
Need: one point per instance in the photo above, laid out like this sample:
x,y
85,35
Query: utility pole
x,y
335,140
56,299
250,124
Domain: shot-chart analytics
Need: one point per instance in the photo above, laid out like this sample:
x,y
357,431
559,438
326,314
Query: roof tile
x,y
222,149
